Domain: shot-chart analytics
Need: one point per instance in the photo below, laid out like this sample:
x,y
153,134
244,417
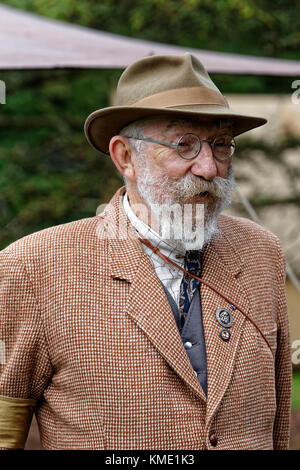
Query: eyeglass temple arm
x,y
151,140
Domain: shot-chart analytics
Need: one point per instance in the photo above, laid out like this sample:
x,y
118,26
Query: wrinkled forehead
x,y
166,126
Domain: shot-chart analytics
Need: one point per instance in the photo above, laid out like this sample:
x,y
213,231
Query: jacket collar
x,y
124,248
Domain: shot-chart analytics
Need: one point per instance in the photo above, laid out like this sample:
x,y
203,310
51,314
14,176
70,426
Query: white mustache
x,y
190,185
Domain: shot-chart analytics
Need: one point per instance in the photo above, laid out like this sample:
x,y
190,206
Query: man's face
x,y
164,178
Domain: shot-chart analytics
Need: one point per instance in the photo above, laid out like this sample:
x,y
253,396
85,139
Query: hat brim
x,y
101,125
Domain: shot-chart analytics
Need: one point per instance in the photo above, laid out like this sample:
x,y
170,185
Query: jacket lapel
x,y
147,303
157,321
223,269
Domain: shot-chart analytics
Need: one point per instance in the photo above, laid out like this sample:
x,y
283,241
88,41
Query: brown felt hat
x,y
163,85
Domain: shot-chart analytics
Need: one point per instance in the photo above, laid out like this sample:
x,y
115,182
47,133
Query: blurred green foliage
x,y
259,27
296,390
48,172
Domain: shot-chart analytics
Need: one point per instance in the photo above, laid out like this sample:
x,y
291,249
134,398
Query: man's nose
x,y
204,164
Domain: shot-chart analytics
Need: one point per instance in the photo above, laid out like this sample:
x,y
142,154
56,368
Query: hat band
x,y
182,97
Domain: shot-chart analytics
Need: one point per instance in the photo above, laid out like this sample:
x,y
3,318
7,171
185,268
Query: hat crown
x,y
169,85
157,74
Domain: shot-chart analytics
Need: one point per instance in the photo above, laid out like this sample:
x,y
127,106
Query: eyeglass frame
x,y
167,144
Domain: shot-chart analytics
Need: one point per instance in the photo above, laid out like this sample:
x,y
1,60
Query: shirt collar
x,y
165,247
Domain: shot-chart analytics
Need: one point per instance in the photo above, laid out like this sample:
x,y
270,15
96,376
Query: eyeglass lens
x,y
189,146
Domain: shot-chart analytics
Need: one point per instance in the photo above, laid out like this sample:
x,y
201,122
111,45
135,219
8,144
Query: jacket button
x,y
213,439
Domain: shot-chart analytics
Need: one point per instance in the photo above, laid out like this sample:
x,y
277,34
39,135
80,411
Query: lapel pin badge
x,y
225,334
224,317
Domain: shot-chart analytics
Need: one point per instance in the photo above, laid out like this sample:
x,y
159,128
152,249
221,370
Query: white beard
x,y
160,193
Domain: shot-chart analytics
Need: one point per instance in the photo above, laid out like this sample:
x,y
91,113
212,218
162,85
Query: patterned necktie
x,y
192,264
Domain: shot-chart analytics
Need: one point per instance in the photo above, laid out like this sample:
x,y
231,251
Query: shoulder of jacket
x,y
241,231
56,238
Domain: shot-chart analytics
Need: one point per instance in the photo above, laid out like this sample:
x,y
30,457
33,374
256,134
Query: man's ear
x,y
121,154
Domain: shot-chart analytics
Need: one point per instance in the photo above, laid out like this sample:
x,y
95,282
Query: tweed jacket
x,y
92,345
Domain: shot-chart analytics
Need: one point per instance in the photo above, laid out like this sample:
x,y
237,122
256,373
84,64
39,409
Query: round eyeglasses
x,y
189,146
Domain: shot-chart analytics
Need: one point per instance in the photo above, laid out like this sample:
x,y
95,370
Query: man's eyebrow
x,y
216,131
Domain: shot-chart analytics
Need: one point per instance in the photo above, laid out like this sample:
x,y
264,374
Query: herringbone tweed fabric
x,y
89,333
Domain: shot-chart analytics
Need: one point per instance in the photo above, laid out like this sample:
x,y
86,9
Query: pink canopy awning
x,y
29,41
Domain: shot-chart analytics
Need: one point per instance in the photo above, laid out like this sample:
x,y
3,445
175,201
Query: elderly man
x,y
156,324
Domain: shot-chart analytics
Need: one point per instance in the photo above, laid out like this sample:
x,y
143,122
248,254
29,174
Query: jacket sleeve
x,y
283,364
25,367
